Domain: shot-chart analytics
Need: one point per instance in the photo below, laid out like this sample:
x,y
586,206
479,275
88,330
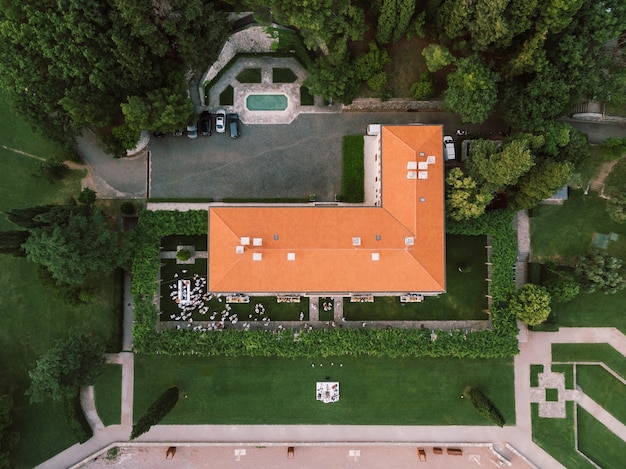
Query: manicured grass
x,y
561,233
306,98
465,297
556,436
246,390
250,75
604,388
568,371
593,310
534,375
597,353
552,395
227,97
283,75
326,315
108,395
616,180
590,167
353,176
599,443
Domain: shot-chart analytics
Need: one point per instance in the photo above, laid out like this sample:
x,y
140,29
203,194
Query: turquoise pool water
x,y
266,102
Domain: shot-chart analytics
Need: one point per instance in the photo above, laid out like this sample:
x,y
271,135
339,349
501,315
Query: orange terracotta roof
x,y
311,249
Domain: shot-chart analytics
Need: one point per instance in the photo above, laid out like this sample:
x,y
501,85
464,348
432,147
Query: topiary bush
x,y
156,412
183,255
484,405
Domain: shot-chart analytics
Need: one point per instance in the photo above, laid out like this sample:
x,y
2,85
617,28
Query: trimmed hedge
x,y
156,412
499,342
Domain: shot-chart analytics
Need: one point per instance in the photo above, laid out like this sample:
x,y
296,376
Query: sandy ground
x,y
305,457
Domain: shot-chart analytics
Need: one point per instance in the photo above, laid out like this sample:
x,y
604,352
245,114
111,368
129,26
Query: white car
x,y
220,121
192,130
448,148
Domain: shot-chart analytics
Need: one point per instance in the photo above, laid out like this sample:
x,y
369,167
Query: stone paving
x,y
553,409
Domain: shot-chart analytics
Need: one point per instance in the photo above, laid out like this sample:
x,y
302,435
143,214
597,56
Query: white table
x,y
327,391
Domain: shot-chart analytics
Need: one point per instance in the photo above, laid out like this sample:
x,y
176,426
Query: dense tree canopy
x,y
71,363
472,90
465,199
500,166
71,64
76,248
600,271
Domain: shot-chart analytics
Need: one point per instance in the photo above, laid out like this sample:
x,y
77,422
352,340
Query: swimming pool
x,y
266,102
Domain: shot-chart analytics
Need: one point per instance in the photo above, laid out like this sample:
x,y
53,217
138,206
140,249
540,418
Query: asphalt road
x,y
287,160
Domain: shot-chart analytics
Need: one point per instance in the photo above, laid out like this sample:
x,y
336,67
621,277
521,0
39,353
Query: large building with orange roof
x,y
393,245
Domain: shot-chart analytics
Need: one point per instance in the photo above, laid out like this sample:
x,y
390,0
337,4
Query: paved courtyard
x,y
267,161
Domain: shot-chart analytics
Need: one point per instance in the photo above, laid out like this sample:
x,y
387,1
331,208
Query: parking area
x,y
268,161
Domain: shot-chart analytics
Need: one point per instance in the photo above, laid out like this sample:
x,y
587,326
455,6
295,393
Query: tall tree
x,y
77,249
500,167
465,199
71,363
542,181
472,90
531,304
600,271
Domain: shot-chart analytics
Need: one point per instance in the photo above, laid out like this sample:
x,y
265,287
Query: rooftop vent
x,y
411,175
257,241
245,241
375,256
239,249
431,159
412,165
422,199
423,166
377,237
257,256
422,153
291,256
356,241
275,237
422,175
409,241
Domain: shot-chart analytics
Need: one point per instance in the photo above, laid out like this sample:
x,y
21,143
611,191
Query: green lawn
x,y
306,98
599,443
32,317
352,180
596,353
227,97
534,375
561,233
465,297
616,181
108,395
556,436
604,388
568,371
283,75
250,75
593,310
243,390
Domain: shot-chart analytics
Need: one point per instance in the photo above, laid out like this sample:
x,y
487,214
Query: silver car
x,y
192,130
220,121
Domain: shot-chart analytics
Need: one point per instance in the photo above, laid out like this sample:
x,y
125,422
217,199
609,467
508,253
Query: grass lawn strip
x,y
557,437
616,180
282,391
604,388
108,395
353,175
568,371
590,353
465,298
250,75
534,375
599,443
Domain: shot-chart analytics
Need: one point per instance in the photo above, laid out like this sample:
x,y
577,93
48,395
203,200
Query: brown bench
x,y
455,451
421,454
437,450
290,452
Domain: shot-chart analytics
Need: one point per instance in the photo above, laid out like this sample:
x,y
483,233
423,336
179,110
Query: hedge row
x,y
496,343
156,412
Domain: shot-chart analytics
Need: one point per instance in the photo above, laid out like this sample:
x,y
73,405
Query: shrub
x,y
156,412
75,418
616,207
126,136
87,196
484,405
615,147
51,170
183,255
127,208
424,88
598,270
563,290
531,304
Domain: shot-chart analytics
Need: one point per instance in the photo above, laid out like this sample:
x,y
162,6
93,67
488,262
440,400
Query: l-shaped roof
x,y
397,247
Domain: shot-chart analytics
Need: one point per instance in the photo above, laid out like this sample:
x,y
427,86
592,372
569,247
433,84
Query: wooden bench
x,y
437,450
421,454
290,452
455,451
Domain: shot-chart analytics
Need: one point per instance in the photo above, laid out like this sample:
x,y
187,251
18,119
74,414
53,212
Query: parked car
x,y
192,130
233,125
178,133
220,121
448,148
206,124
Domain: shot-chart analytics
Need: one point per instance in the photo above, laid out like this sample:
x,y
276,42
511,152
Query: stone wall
x,y
394,104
